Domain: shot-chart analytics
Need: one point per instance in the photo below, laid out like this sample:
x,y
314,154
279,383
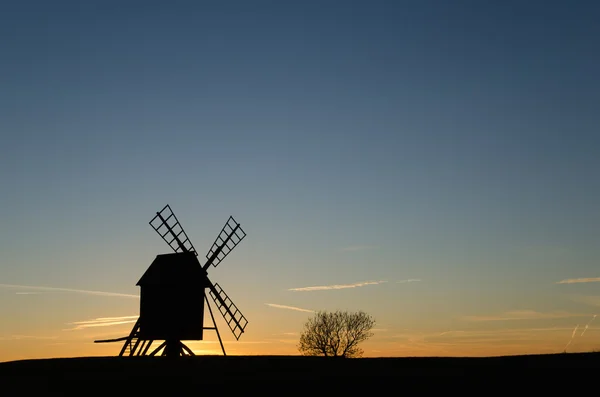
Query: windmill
x,y
173,293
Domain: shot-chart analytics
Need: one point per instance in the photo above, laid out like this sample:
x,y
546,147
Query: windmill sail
x,y
228,238
232,315
166,224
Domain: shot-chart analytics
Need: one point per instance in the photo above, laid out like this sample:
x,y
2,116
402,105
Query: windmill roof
x,y
173,269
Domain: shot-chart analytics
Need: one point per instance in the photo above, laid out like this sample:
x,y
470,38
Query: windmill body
x,y
173,293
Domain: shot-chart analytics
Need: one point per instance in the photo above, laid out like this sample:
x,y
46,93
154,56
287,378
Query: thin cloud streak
x,y
299,309
572,336
102,322
410,280
469,334
524,315
579,280
79,291
484,342
336,286
21,337
451,333
588,325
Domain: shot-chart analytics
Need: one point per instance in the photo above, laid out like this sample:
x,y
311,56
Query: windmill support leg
x,y
158,349
147,347
215,324
186,349
132,335
134,348
173,348
141,348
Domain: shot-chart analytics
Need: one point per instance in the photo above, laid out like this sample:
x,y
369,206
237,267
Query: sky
x,y
432,163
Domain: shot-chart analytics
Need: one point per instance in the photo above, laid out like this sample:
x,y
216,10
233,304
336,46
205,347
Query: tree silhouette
x,y
335,334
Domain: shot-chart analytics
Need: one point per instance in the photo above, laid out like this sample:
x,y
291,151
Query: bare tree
x,y
335,334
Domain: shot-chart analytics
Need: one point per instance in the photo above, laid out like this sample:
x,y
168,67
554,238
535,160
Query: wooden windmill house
x,y
173,293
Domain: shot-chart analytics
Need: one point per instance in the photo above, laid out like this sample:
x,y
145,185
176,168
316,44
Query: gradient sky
x,y
445,152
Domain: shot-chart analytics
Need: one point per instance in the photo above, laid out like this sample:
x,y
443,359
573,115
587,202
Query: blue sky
x,y
451,142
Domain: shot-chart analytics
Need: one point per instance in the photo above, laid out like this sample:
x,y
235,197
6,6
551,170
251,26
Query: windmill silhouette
x,y
173,293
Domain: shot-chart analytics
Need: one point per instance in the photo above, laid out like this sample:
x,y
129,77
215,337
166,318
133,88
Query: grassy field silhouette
x,y
114,375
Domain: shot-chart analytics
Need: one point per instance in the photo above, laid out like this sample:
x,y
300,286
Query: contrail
x,y
79,291
572,336
336,286
587,325
579,280
299,309
102,322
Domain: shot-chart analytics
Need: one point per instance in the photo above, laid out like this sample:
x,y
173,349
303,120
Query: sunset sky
x,y
433,163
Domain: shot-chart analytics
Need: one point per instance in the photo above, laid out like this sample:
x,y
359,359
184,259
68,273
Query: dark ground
x,y
295,375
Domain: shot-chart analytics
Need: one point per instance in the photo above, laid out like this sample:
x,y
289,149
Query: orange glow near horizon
x,y
382,344
65,324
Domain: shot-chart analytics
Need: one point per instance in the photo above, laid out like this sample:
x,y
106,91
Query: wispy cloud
x,y
485,342
286,334
252,342
286,341
21,337
579,280
410,280
523,315
299,309
473,334
102,322
336,286
54,289
450,333
359,247
572,336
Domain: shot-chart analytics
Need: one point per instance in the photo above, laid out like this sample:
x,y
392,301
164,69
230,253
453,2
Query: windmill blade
x,y
232,315
228,238
166,224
